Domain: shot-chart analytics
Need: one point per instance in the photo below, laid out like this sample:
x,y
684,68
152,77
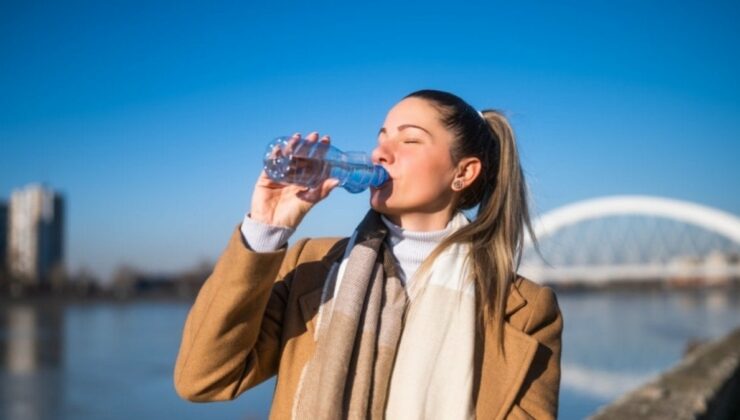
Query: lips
x,y
385,185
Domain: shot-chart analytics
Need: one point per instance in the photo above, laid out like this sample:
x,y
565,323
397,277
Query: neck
x,y
411,248
421,222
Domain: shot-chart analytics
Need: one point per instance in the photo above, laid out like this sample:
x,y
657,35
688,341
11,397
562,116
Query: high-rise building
x,y
35,234
3,236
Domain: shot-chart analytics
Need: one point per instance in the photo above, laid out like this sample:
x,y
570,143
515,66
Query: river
x,y
108,360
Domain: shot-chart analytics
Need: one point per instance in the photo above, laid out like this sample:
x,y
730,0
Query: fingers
x,y
294,139
298,148
312,136
314,195
323,146
327,186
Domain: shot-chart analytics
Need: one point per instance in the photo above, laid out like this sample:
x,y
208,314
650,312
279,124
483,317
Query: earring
x,y
457,185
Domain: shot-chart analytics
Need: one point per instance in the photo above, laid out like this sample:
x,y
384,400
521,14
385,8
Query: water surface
x,y
114,360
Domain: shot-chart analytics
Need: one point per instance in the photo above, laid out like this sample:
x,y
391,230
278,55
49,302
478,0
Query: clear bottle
x,y
297,161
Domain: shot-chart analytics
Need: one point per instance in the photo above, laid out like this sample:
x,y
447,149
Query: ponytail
x,y
496,235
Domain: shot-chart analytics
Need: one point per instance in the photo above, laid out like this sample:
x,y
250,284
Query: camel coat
x,y
254,318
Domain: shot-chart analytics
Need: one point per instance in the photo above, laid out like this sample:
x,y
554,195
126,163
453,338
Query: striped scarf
x,y
364,310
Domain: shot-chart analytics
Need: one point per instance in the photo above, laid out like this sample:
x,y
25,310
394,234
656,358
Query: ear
x,y
468,170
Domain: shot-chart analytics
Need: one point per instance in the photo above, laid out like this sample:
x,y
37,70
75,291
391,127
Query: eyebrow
x,y
404,126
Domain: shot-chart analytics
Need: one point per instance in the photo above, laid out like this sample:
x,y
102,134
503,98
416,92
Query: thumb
x,y
327,186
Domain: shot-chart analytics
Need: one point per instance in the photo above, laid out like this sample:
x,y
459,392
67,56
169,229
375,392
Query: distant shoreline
x,y
628,287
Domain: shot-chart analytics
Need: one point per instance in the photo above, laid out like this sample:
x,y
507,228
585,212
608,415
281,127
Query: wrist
x,y
290,223
261,217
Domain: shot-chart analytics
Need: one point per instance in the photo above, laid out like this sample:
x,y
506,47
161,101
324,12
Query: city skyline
x,y
153,132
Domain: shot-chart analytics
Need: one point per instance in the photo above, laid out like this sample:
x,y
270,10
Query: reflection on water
x,y
114,361
615,341
100,361
32,338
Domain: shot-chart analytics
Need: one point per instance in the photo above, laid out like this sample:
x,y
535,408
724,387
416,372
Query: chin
x,y
386,206
381,202
378,205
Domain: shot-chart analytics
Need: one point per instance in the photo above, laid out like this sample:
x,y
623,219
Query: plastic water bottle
x,y
292,161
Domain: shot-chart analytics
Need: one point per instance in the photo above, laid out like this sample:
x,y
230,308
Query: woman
x,y
420,314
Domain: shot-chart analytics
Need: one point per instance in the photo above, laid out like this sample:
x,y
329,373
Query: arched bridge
x,y
633,238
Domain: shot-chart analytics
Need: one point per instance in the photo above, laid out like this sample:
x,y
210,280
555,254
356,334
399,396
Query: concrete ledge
x,y
704,385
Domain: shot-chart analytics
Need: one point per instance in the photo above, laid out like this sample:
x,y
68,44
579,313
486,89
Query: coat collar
x,y
514,302
335,253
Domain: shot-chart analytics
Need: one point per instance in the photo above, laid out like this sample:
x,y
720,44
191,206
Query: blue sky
x,y
151,118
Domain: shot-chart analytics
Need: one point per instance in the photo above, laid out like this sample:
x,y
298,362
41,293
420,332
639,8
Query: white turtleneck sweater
x,y
410,248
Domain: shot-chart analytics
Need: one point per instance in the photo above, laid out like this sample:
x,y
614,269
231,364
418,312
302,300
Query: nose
x,y
381,154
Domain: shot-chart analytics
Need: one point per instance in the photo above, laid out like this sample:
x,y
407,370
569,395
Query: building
x,y
35,234
3,236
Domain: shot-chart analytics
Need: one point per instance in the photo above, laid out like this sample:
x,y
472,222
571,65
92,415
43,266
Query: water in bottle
x,y
297,161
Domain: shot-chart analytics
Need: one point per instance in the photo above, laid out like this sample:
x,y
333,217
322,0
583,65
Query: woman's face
x,y
414,147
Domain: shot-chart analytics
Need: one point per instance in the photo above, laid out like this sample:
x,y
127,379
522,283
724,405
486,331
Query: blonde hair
x,y
496,234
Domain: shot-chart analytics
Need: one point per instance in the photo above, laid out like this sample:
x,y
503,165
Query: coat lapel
x,y
335,253
502,374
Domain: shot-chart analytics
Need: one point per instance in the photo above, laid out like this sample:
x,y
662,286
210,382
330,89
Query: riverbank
x,y
703,385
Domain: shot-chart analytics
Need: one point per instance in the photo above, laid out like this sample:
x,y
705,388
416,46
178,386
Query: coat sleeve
x,y
231,338
539,394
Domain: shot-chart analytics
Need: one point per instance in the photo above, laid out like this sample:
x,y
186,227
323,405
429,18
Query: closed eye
x,y
411,141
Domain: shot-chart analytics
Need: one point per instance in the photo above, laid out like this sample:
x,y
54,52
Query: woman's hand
x,y
285,205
